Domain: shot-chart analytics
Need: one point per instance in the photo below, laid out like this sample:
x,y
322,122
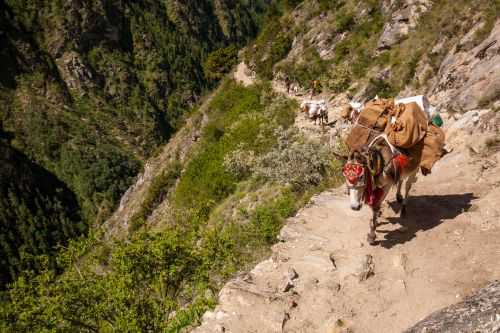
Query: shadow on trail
x,y
423,213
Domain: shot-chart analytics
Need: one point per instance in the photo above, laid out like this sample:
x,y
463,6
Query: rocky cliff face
x,y
466,79
402,18
446,50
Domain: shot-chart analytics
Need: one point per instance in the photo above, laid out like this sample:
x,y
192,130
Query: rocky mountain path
x,y
324,277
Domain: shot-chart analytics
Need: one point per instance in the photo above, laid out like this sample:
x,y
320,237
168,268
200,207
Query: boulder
x,y
75,71
404,17
479,313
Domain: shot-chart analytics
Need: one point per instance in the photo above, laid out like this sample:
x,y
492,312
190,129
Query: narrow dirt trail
x,y
324,277
446,253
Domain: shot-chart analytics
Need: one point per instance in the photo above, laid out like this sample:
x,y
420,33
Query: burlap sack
x,y
432,147
357,138
375,114
409,127
372,120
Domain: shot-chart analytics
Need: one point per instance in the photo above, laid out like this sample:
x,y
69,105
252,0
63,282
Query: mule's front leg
x,y
399,197
373,226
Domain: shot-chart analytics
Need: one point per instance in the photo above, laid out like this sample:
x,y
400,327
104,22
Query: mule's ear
x,y
340,157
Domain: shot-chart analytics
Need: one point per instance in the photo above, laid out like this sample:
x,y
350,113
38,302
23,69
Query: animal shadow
x,y
424,213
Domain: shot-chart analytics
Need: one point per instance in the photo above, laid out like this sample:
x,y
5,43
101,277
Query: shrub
x,y
344,21
220,62
239,119
339,78
268,218
293,161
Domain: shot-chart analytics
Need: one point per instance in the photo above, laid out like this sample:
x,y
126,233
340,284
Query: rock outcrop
x,y
468,79
479,313
404,16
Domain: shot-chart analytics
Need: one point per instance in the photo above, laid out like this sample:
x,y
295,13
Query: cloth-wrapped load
x,y
372,120
433,148
408,125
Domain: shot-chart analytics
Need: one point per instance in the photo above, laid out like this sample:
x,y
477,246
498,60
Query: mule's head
x,y
304,107
355,172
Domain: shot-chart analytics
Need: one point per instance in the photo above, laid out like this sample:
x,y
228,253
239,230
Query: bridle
x,y
361,177
355,174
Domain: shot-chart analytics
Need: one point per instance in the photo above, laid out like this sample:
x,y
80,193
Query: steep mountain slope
x,y
90,89
37,213
109,79
318,278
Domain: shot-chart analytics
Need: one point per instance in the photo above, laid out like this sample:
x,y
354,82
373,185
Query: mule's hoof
x,y
399,198
370,238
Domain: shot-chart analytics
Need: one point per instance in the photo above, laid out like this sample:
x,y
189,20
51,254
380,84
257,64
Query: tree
x,y
220,62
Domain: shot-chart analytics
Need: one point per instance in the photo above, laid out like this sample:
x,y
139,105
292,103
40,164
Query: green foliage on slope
x,y
89,89
220,62
237,119
157,193
95,86
37,214
163,280
272,44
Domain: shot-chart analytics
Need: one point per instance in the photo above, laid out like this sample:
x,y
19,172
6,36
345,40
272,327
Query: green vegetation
x,y
131,88
163,281
271,46
37,215
241,119
220,62
89,89
156,194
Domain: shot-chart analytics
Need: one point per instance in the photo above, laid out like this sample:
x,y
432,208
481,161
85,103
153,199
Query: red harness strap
x,y
373,196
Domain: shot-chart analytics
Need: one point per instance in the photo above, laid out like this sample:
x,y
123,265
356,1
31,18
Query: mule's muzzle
x,y
356,207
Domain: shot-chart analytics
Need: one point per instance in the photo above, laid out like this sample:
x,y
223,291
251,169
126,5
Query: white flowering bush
x,y
293,161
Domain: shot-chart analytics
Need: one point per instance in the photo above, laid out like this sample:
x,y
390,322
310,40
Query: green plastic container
x,y
437,120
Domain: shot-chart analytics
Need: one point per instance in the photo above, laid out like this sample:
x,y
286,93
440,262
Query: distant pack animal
x,y
316,110
371,170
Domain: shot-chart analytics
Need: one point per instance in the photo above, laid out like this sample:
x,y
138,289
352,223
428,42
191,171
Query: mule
x,y
371,171
316,110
